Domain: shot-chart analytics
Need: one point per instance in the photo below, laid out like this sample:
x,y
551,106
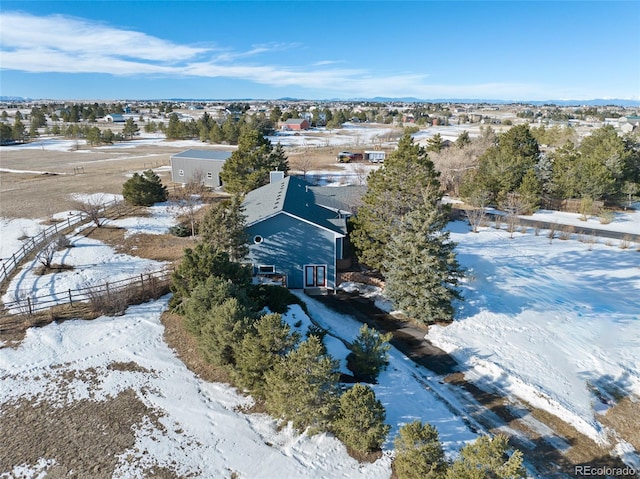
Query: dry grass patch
x,y
624,417
583,449
164,247
186,347
82,439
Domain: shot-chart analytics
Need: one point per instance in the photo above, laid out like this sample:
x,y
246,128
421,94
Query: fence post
x,y
142,282
108,292
29,305
70,299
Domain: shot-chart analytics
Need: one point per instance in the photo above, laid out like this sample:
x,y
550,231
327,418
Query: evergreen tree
x,y
18,132
215,133
214,291
222,331
198,264
223,227
419,453
502,167
406,177
6,134
463,139
421,270
175,128
303,386
360,420
369,354
249,166
130,128
486,458
144,190
435,143
269,340
530,192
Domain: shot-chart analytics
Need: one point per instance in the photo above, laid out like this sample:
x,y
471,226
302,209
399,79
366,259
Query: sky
x,y
504,50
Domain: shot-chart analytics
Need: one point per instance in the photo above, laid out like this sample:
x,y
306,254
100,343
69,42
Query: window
x,y
264,268
257,239
181,173
209,175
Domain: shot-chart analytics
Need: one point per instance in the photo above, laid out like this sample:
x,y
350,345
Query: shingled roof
x,y
295,197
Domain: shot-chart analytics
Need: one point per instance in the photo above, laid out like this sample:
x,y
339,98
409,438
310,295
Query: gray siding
x,y
190,168
289,244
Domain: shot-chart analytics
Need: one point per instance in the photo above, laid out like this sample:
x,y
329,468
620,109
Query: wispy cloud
x,y
73,45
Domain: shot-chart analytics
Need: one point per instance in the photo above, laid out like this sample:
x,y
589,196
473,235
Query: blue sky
x,y
507,50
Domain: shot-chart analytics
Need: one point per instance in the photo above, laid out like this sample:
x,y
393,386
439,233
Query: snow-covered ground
x,y
204,432
622,222
549,323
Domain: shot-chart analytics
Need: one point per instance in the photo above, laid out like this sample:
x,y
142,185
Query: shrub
x,y
269,340
419,453
144,190
276,298
487,458
303,386
360,421
369,354
606,217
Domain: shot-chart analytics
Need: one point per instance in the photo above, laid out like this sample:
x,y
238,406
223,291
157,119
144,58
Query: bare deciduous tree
x,y
93,207
303,164
188,199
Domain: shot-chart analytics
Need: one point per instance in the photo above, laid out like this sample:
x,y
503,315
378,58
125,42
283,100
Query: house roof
x,y
218,155
295,197
295,121
345,198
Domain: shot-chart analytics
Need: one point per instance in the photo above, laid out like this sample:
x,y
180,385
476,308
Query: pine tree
x,y
360,420
369,354
529,192
422,271
406,177
249,166
205,296
197,265
223,226
222,331
486,458
269,340
419,453
144,190
130,129
303,386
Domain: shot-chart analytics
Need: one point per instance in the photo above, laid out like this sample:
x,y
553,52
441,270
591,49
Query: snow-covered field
x,y
557,325
205,434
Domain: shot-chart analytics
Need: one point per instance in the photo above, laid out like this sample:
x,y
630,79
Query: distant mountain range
x,y
594,102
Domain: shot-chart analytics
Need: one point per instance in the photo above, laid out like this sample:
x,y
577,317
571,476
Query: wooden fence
x,y
150,282
10,264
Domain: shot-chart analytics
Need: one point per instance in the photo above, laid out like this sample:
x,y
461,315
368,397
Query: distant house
x,y
296,232
114,118
296,124
199,165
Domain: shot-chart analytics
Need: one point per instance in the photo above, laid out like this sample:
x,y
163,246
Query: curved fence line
x,y
10,264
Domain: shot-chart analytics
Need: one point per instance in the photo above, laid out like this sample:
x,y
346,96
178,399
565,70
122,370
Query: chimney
x,y
275,176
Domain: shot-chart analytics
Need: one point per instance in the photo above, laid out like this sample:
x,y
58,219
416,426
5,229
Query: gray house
x,y
293,235
198,165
